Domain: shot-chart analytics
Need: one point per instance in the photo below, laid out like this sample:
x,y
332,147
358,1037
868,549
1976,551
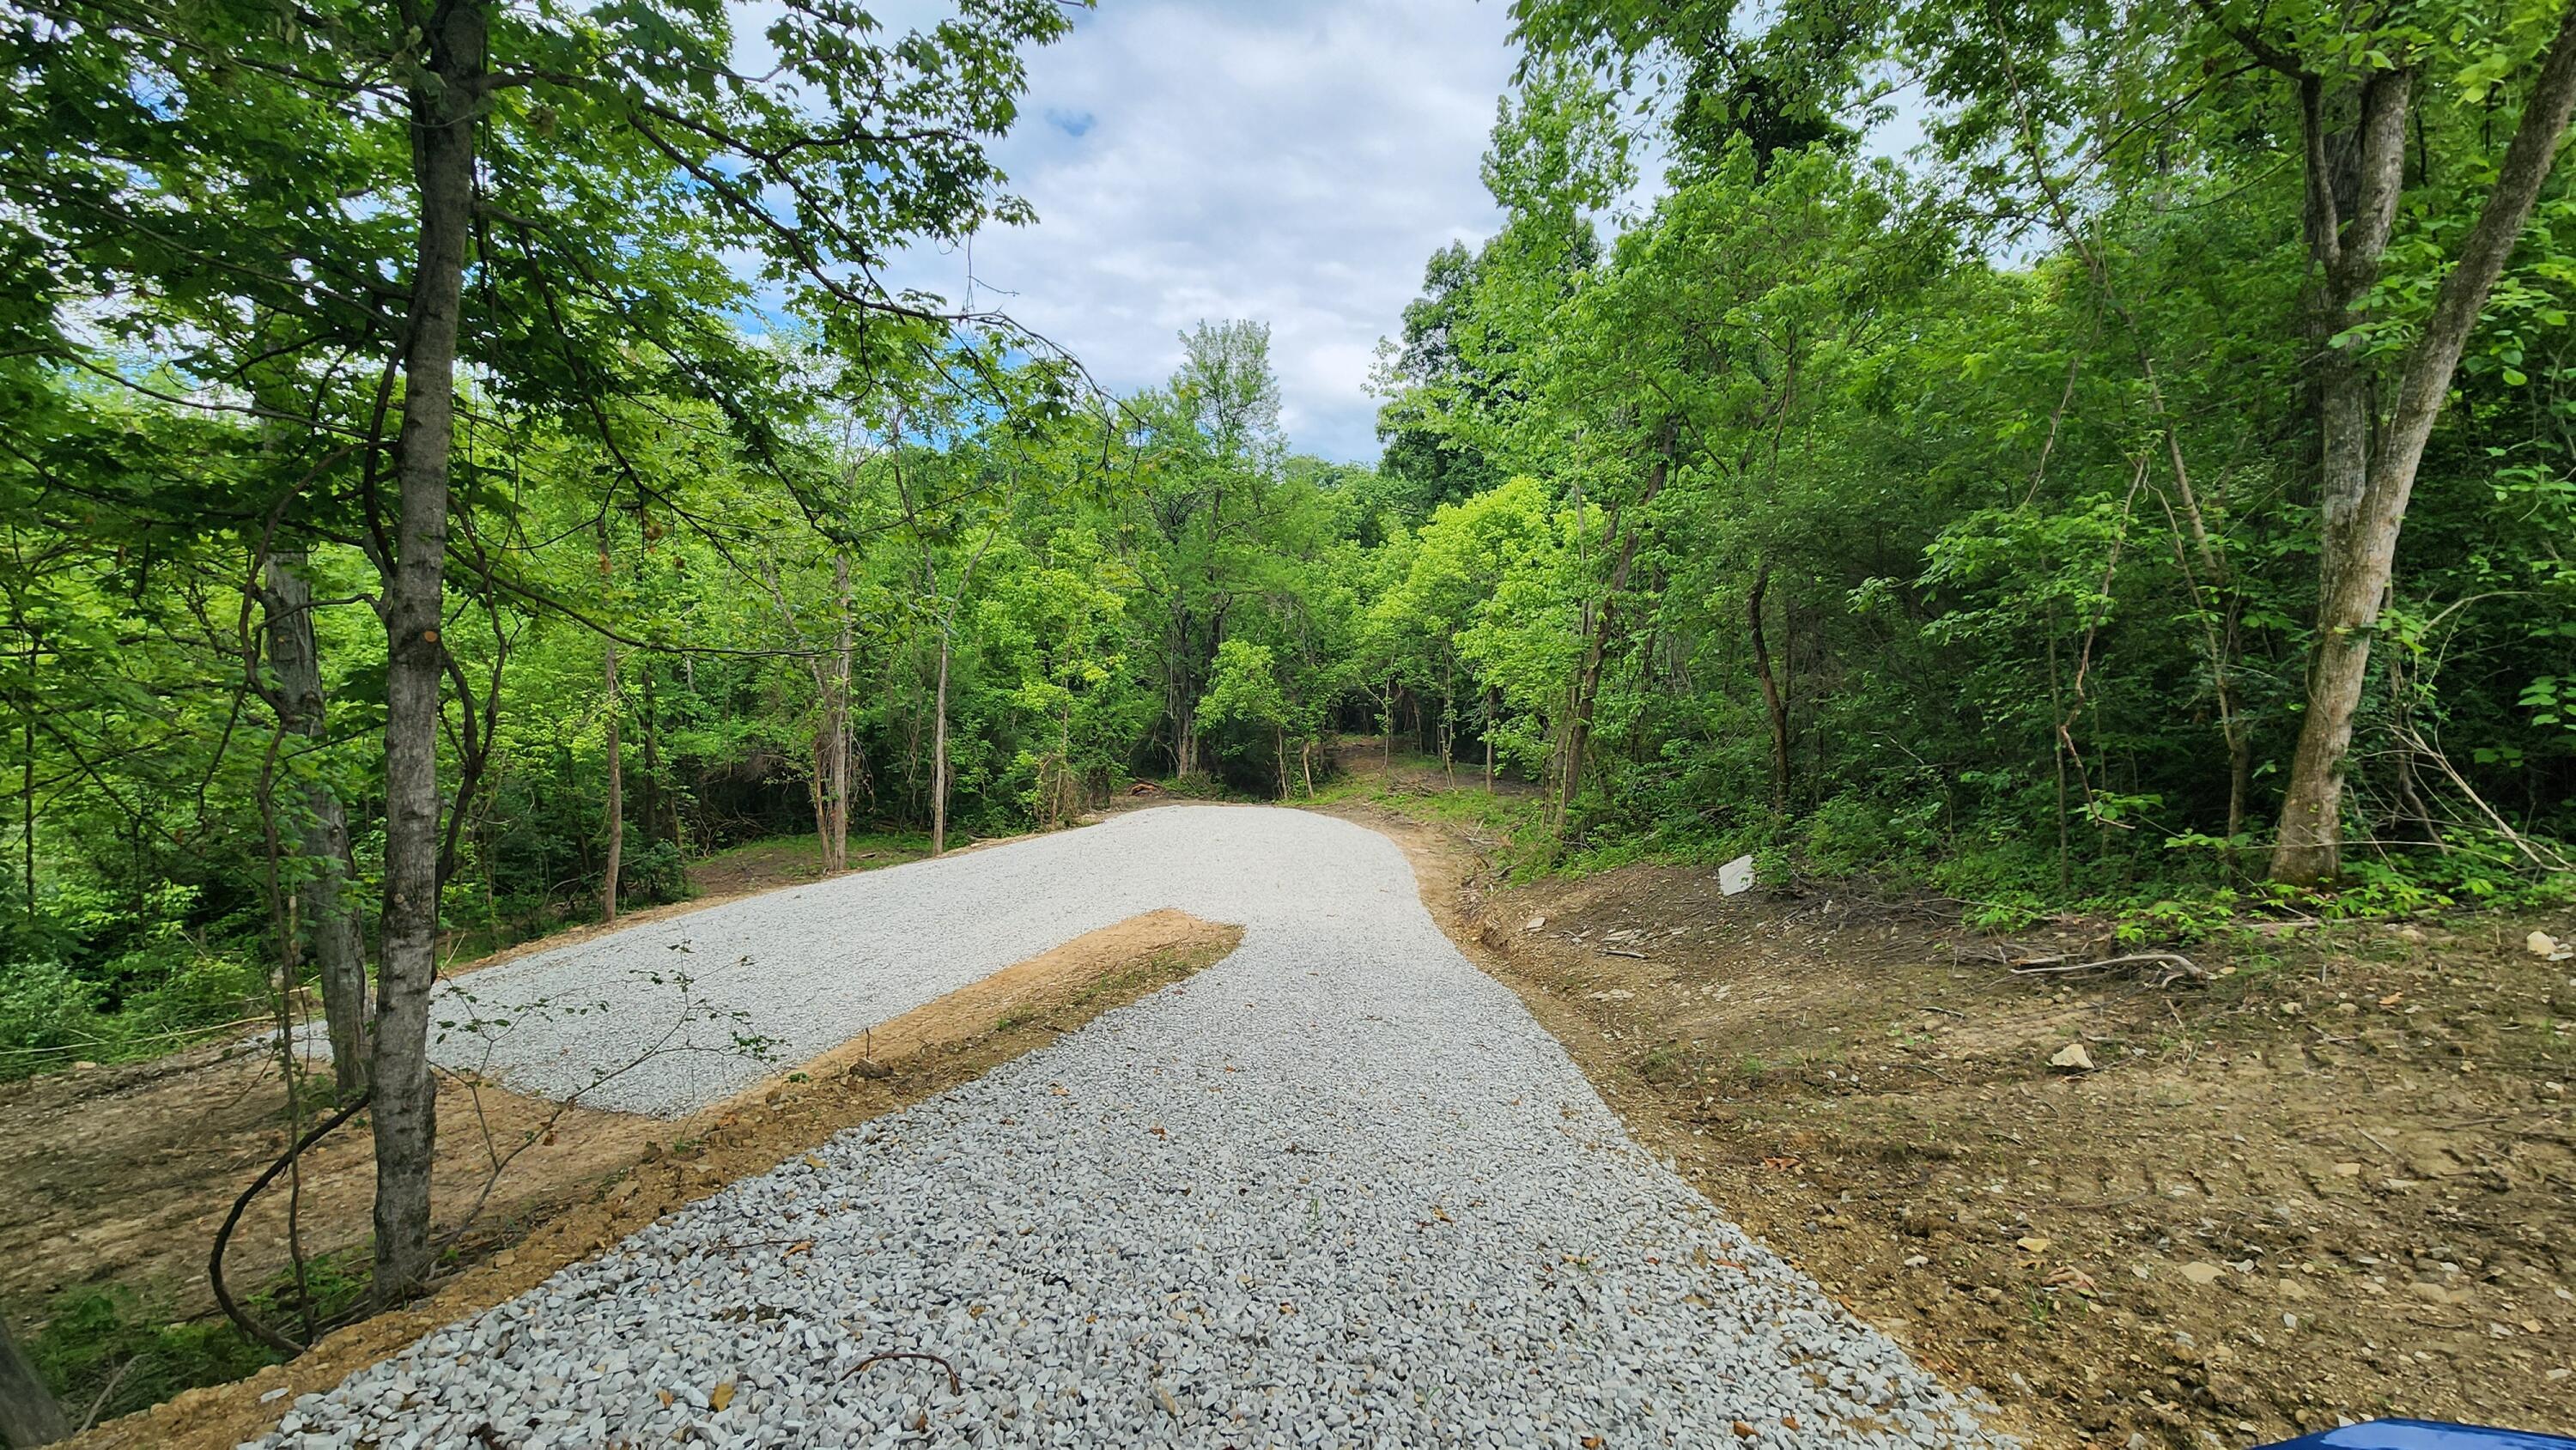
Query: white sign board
x,y
1736,876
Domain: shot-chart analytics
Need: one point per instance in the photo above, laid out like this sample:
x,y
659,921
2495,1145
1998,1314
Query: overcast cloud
x,y
1291,162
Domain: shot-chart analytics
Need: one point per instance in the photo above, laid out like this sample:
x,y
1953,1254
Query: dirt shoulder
x,y
2339,1181
126,1187
108,1173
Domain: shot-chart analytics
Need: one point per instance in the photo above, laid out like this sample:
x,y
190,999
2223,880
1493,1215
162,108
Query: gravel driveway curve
x,y
1338,1189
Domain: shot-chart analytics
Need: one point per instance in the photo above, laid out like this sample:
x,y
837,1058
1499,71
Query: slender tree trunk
x,y
815,775
443,110
650,818
339,943
616,749
1387,723
1060,800
1280,733
1596,650
1489,742
1449,725
2365,496
27,777
616,807
939,754
833,744
1773,706
29,1414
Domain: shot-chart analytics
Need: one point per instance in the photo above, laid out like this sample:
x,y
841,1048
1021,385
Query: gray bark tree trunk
x,y
338,941
2365,489
444,104
29,1414
939,754
615,811
1775,709
1596,649
835,733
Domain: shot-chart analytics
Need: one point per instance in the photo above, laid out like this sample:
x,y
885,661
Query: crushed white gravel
x,y
1339,1189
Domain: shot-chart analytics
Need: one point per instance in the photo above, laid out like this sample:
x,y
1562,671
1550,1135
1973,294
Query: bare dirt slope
x,y
2338,1181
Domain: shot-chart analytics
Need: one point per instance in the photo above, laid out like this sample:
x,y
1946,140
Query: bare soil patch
x,y
121,1175
2337,1181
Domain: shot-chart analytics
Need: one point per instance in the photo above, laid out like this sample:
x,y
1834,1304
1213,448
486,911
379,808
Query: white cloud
x,y
1295,164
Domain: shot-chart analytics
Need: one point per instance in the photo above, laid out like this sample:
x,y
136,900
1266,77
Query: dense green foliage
x,y
1959,518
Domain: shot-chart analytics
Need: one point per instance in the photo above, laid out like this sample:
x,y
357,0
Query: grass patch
x,y
114,1350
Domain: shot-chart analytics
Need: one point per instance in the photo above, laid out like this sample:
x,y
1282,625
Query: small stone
x,y
2202,1273
2072,1058
2347,1170
2033,1243
1534,923
2541,944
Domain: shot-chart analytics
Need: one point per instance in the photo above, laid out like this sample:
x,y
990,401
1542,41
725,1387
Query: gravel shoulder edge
x,y
1446,871
946,1042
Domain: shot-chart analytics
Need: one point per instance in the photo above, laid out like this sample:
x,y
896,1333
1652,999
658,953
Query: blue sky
x,y
1294,163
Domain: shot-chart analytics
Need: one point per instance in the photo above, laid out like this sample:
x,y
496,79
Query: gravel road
x,y
1339,1189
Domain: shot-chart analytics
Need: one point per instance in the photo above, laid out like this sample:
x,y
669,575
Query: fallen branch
x,y
90,1420
956,1386
2538,854
2177,966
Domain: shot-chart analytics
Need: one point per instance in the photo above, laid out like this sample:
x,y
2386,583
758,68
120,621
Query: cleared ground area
x,y
1338,1189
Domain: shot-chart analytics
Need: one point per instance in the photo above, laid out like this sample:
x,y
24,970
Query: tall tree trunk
x,y
939,754
1488,732
650,818
817,773
27,781
616,749
1449,724
833,743
1388,724
1596,649
2365,496
443,105
1773,705
842,661
615,810
29,1414
339,943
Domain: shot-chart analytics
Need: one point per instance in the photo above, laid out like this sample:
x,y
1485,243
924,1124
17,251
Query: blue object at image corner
x,y
2423,1435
